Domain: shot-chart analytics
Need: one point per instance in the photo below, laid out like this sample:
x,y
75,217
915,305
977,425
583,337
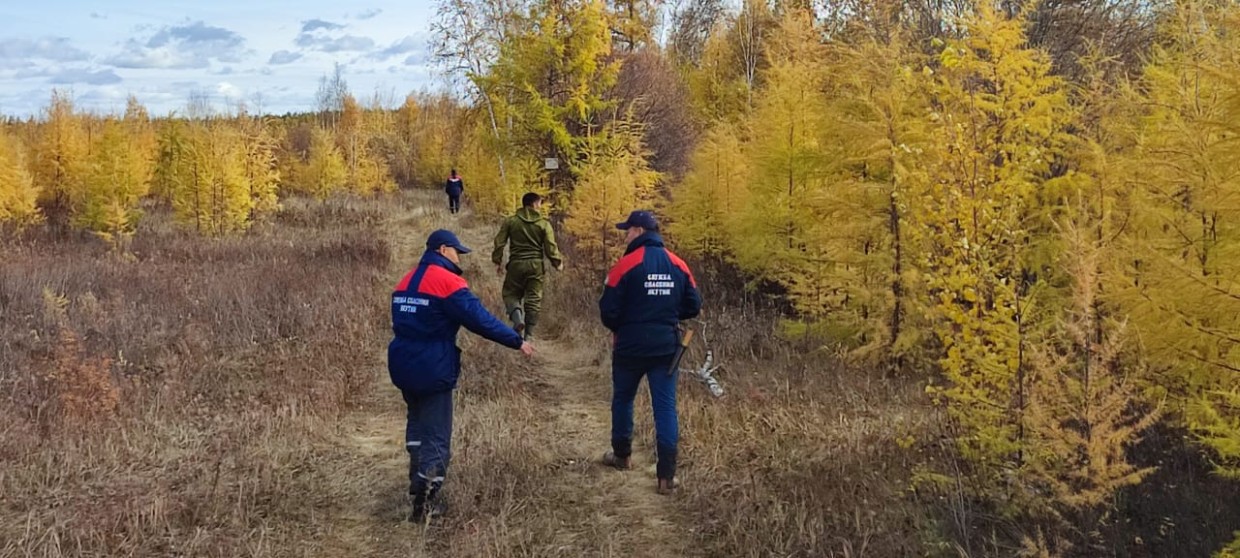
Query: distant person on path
x,y
529,238
454,187
429,306
648,293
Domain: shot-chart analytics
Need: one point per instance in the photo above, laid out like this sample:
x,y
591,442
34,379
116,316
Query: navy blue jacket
x,y
649,291
454,186
429,306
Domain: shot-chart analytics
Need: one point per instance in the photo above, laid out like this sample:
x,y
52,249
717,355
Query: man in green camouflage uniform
x,y
529,239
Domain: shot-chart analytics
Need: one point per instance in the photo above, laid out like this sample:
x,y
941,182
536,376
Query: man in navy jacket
x,y
648,292
454,187
429,306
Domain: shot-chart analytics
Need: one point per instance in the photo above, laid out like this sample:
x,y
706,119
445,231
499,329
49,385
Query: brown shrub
x,y
85,391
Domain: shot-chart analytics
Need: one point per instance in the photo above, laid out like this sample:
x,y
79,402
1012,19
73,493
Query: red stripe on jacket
x,y
437,282
404,283
676,261
625,265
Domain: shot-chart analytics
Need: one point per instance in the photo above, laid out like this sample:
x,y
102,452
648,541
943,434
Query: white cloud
x,y
228,90
83,75
17,52
30,72
312,25
281,57
404,46
325,36
347,43
190,46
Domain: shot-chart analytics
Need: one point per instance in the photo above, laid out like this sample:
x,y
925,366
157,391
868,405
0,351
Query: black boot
x,y
427,502
531,320
517,315
622,463
435,504
666,469
619,456
418,490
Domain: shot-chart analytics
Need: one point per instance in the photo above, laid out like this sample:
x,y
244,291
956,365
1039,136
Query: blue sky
x,y
258,51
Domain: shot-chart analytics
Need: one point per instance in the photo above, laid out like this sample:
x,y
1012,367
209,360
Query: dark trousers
x,y
454,203
626,377
428,438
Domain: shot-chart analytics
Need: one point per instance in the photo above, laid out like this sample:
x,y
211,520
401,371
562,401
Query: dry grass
x,y
800,457
230,398
168,402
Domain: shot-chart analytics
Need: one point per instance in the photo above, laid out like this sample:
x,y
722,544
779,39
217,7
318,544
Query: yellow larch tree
x,y
141,132
1085,410
18,194
434,154
879,103
717,87
790,163
999,119
58,160
616,179
405,147
204,168
118,176
633,22
705,205
549,81
174,158
262,171
489,191
364,173
1183,246
221,191
324,171
723,85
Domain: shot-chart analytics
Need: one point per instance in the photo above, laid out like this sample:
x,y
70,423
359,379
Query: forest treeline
x,y
219,169
1033,205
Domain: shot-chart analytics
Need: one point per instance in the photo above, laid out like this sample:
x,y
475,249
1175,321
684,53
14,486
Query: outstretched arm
x,y
467,310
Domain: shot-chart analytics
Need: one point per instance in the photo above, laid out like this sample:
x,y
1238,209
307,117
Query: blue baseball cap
x,y
643,219
443,237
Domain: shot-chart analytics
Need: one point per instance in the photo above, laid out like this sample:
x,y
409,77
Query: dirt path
x,y
617,500
586,510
